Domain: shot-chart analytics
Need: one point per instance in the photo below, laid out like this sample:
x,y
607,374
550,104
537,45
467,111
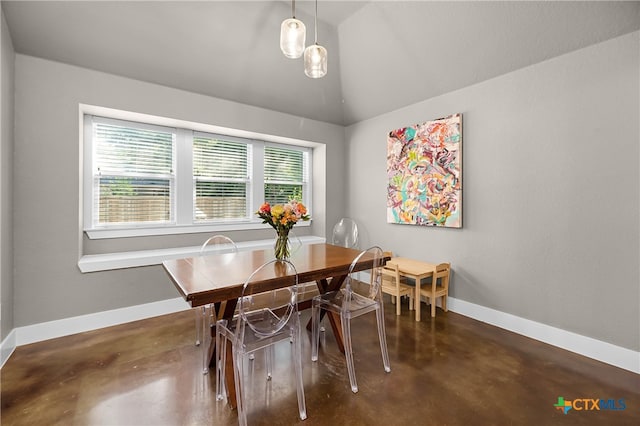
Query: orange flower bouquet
x,y
282,217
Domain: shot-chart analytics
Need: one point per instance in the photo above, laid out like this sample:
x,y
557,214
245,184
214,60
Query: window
x,y
145,179
284,174
222,176
132,175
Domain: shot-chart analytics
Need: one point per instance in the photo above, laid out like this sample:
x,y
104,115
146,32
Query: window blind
x,y
221,175
284,174
133,175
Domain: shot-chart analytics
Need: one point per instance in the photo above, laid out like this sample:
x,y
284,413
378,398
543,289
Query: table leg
x,y
417,300
225,310
218,310
336,326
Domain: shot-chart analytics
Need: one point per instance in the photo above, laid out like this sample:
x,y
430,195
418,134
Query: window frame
x,y
90,173
183,197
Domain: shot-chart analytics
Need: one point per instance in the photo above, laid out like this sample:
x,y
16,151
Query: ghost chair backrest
x,y
345,233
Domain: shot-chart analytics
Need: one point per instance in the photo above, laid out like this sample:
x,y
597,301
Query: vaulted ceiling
x,y
383,55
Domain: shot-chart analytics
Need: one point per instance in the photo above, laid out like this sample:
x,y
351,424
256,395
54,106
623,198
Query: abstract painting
x,y
424,168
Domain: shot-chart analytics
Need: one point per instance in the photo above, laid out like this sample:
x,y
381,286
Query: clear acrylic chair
x,y
345,233
218,244
263,320
308,289
294,242
349,304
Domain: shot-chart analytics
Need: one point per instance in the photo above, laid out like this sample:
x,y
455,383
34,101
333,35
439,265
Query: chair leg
x,y
348,353
269,356
444,303
296,351
315,335
221,359
205,338
383,339
433,306
198,319
398,305
238,372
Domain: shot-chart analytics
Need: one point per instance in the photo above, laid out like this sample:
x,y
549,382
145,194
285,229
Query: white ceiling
x,y
383,55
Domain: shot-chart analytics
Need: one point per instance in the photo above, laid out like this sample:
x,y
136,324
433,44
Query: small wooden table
x,y
220,278
416,270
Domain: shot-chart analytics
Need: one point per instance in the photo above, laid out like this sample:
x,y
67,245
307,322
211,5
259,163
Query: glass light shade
x,y
292,37
315,61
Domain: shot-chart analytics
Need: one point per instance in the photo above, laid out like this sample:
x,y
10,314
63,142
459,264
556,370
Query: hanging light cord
x,y
293,8
315,23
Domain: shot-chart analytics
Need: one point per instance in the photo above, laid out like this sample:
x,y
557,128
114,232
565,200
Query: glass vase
x,y
282,248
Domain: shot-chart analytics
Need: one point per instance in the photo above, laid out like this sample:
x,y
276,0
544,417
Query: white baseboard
x,y
7,347
64,327
602,351
596,349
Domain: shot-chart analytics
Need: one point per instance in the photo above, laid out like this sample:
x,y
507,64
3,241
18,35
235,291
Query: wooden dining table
x,y
219,279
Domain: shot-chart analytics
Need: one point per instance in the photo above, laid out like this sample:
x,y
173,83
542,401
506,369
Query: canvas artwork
x,y
424,168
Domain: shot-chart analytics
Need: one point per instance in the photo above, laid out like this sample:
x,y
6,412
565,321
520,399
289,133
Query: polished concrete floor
x,y
450,370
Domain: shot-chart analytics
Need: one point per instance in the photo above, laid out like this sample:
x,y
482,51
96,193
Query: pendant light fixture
x,y
292,35
315,56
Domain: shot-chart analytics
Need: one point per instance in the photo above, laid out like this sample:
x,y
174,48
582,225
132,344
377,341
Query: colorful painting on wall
x,y
424,168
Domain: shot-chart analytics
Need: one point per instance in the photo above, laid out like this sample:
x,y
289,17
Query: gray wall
x,y
48,284
550,188
6,181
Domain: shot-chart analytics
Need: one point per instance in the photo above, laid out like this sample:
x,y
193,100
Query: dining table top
x,y
202,280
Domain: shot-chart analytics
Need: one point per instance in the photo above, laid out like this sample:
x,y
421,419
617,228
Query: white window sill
x,y
97,234
132,259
